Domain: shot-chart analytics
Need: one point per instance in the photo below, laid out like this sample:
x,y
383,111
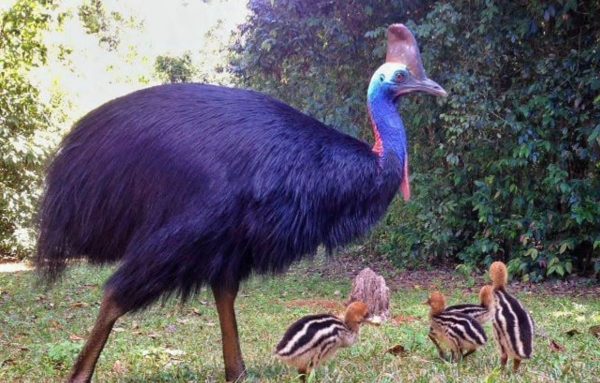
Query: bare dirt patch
x,y
317,304
13,267
446,278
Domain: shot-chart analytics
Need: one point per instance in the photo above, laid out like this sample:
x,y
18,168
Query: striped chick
x,y
459,332
513,325
313,339
483,312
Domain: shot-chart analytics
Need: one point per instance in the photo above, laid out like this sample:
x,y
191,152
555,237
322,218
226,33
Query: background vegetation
x,y
507,167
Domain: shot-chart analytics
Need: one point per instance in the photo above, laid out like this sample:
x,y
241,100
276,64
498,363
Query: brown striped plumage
x,y
513,325
459,332
483,312
313,339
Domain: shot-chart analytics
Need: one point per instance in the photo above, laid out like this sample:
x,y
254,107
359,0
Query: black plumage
x,y
198,184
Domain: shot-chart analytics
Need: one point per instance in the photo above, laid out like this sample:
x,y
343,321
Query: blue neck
x,y
387,124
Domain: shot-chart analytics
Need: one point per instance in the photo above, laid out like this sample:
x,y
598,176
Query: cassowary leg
x,y
232,354
86,362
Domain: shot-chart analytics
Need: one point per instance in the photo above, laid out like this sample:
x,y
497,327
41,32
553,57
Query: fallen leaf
x,y
75,337
118,329
595,331
397,350
183,321
119,368
556,347
210,324
196,311
79,304
56,325
8,362
572,332
153,335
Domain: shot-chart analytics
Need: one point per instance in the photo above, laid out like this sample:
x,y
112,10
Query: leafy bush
x,y
507,167
25,124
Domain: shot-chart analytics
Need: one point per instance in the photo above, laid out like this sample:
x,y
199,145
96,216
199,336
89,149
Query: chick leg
x,y
303,373
437,345
516,364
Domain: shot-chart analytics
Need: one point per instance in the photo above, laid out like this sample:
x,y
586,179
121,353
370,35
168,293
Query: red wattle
x,y
405,185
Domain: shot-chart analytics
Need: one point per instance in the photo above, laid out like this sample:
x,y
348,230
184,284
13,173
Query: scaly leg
x,y
437,345
303,373
232,354
516,364
86,362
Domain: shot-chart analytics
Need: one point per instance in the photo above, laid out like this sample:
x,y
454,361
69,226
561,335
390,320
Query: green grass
x,y
40,331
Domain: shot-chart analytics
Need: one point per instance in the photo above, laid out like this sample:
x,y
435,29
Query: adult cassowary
x,y
189,185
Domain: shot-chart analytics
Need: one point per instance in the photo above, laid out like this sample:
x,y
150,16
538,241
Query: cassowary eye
x,y
400,76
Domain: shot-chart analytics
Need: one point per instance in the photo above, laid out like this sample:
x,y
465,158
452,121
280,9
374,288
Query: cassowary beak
x,y
425,85
429,86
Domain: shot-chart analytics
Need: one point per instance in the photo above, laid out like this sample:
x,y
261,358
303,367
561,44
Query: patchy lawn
x,y
41,332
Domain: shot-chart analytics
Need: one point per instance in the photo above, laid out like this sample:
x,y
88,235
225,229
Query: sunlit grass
x,y
40,335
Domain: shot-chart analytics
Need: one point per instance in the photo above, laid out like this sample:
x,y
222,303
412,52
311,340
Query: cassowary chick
x,y
313,339
513,325
459,332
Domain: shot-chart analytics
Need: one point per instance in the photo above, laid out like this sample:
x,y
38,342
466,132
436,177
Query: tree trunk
x,y
370,287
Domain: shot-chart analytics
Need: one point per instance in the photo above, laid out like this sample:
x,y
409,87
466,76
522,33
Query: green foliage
x,y
174,69
507,167
25,134
97,20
